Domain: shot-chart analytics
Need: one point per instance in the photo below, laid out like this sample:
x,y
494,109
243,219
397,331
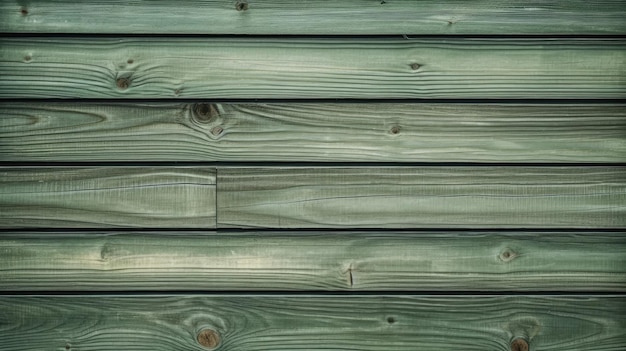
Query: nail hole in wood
x,y
130,61
204,112
24,11
395,130
122,82
27,58
519,344
415,66
391,320
209,338
67,346
241,5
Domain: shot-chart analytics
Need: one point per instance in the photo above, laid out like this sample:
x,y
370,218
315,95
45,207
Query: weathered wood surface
x,y
279,322
107,197
337,132
314,17
426,197
320,261
312,68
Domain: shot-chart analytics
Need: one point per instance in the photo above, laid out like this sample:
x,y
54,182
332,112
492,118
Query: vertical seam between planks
x,y
216,207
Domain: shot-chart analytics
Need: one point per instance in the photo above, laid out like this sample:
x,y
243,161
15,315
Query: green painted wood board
x,y
279,322
422,197
312,132
313,261
314,17
505,262
297,68
107,197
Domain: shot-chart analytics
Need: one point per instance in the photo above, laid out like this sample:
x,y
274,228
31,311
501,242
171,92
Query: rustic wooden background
x,y
312,175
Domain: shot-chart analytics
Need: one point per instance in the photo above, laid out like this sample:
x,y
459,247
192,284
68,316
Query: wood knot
x,y
507,255
241,5
106,252
123,82
394,130
209,338
217,130
130,61
415,66
519,344
204,112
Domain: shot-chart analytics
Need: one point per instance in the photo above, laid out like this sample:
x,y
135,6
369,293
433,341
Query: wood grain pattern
x,y
328,132
107,197
315,17
369,323
426,197
313,261
141,290
312,68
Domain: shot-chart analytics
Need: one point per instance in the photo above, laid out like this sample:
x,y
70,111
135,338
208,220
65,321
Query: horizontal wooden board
x,y
104,197
317,132
314,261
425,197
279,322
311,68
315,17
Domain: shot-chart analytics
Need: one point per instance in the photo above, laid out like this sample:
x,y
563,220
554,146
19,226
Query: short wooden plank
x,y
314,132
423,197
105,196
314,17
283,322
314,261
312,68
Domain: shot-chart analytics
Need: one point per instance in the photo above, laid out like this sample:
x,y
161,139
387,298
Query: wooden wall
x,y
312,175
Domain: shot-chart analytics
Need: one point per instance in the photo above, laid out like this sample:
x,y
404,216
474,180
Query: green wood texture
x,y
314,261
107,197
278,322
312,68
426,197
335,132
315,17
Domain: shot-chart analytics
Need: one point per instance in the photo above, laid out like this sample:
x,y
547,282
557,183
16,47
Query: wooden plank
x,y
315,17
279,322
314,261
105,196
335,132
312,68
424,197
